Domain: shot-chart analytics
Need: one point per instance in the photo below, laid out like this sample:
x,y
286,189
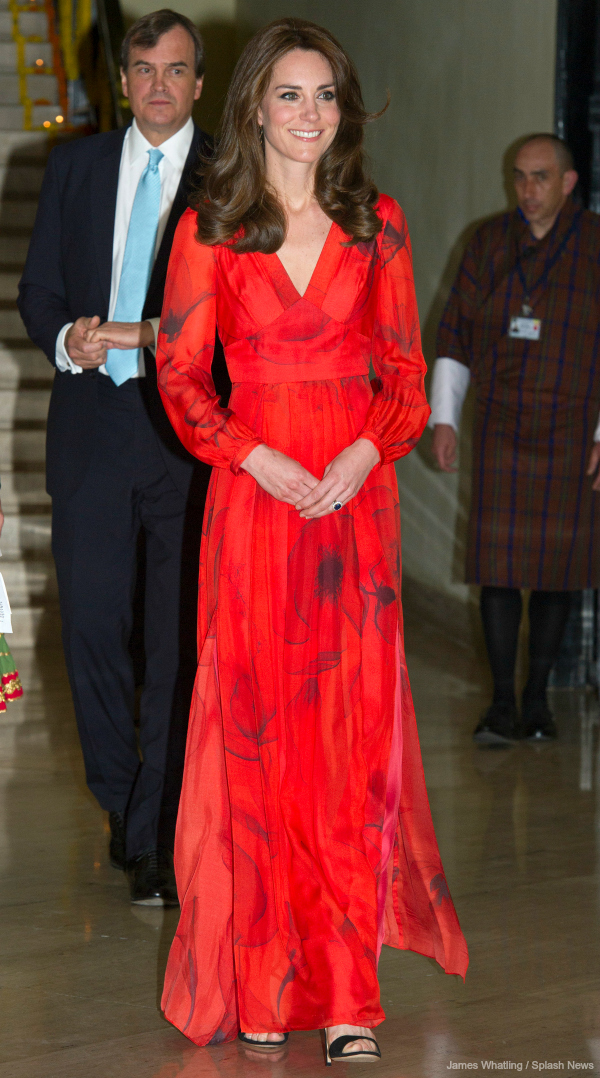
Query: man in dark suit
x,y
91,297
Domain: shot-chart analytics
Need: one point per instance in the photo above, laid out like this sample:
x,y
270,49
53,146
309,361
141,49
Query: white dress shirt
x,y
134,158
449,384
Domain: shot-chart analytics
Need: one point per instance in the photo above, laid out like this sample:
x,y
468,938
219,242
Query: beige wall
x,y
197,10
467,78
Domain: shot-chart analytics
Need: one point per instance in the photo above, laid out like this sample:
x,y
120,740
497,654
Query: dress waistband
x,y
313,367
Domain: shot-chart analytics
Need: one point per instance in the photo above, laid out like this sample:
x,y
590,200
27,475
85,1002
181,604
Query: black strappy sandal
x,y
336,1054
262,1046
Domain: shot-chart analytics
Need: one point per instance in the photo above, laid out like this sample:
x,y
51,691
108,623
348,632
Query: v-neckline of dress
x,y
320,278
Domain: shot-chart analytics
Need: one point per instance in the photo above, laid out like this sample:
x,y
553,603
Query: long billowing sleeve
x,y
184,355
399,410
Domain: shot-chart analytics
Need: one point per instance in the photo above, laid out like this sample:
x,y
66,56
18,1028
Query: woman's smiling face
x,y
299,113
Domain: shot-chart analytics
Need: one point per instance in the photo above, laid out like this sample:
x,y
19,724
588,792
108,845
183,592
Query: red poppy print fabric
x,y
304,839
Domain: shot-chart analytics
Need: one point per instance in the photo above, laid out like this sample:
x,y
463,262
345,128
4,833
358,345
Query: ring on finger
x,y
336,506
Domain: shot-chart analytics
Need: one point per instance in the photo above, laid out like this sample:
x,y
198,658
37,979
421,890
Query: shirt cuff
x,y
155,323
62,358
449,385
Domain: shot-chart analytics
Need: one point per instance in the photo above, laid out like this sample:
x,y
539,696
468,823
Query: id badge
x,y
525,329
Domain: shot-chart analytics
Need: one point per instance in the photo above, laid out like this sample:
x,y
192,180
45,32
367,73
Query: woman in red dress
x,y
304,838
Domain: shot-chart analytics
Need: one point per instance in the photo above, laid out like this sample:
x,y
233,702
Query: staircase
x,y
39,86
25,384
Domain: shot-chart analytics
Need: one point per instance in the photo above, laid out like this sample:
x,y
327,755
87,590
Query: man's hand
x,y
122,335
342,479
281,476
593,463
443,446
79,349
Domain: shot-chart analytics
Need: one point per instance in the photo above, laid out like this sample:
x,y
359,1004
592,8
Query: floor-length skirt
x,y
304,838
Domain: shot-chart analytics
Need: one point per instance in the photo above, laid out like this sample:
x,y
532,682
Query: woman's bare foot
x,y
333,1032
268,1038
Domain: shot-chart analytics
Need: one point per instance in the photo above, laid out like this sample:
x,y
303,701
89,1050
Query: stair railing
x,y
111,31
90,41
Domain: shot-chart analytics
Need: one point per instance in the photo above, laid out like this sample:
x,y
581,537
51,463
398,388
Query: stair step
x,y
23,405
20,177
25,533
10,322
24,492
34,50
8,56
36,626
31,23
22,450
9,89
28,580
20,213
12,116
38,86
25,363
38,50
13,251
9,281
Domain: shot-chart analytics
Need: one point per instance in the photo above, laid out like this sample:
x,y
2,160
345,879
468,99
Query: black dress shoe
x,y
538,722
152,879
116,847
498,726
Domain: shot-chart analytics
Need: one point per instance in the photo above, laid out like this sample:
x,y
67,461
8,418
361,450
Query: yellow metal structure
x,y
24,70
75,20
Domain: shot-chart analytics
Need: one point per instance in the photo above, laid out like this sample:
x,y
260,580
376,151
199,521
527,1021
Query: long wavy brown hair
x,y
235,203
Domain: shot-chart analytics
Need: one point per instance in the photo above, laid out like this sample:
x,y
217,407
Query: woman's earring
x,y
261,134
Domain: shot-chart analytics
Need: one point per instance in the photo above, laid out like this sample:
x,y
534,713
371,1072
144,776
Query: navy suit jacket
x,y
68,275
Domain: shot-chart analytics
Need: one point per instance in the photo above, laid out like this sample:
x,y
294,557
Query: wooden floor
x,y
519,832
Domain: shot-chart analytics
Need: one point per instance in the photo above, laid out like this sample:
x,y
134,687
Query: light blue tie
x,y
137,265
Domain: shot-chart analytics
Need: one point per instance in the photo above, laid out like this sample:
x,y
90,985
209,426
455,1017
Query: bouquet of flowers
x,y
10,682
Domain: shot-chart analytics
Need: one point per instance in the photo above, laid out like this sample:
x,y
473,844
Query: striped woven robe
x,y
534,519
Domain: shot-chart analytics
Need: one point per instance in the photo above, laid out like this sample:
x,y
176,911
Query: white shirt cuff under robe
x,y
449,385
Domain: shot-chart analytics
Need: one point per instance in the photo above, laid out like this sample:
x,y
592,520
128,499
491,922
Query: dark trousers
x,y
501,610
95,540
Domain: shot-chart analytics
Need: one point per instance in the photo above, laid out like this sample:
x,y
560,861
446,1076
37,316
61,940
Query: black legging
x,y
501,610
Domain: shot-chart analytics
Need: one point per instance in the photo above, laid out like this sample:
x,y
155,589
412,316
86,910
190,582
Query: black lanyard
x,y
550,263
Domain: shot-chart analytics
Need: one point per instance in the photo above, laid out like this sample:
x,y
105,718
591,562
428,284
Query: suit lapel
x,y
180,204
103,192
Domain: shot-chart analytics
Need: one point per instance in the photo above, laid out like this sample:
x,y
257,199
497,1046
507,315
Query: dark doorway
x,y
577,121
576,83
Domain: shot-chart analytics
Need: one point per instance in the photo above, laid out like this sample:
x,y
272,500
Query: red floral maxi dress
x,y
304,838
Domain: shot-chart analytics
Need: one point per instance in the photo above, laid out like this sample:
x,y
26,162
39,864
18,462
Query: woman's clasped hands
x,y
289,481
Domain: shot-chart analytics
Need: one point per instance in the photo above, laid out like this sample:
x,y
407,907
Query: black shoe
x,y
152,879
498,726
263,1046
538,722
334,1052
116,849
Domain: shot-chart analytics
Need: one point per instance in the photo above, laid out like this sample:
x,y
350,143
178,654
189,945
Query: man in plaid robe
x,y
523,323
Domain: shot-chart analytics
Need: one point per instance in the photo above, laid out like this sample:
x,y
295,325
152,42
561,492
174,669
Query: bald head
x,y
564,157
544,178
